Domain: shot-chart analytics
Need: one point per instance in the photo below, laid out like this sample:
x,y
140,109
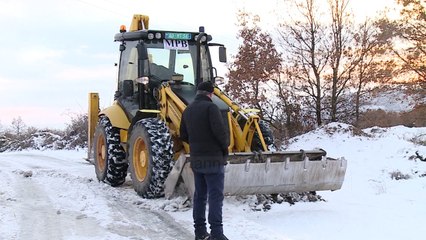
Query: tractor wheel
x,y
150,157
256,144
110,158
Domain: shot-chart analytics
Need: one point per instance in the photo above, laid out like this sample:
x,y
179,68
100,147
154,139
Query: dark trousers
x,y
208,187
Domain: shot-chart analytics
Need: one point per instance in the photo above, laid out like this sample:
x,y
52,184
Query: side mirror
x,y
127,88
122,47
222,54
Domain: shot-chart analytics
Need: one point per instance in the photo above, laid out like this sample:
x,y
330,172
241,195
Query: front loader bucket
x,y
275,172
283,172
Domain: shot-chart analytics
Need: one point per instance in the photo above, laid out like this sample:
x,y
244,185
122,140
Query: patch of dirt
x,y
264,202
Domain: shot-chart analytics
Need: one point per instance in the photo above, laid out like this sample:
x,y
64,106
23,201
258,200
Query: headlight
x,y
143,80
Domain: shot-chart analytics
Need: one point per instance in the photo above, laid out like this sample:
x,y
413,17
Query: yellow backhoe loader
x,y
157,78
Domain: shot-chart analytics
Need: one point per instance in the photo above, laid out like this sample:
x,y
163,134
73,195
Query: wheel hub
x,y
101,153
140,159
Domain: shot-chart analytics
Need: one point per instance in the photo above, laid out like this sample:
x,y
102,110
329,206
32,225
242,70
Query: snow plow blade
x,y
283,172
273,172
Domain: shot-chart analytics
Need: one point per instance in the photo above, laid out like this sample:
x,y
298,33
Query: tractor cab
x,y
150,58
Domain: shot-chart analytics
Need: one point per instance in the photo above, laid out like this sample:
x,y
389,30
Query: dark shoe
x,y
223,237
203,237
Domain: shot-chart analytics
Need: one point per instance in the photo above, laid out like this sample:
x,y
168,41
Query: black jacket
x,y
202,126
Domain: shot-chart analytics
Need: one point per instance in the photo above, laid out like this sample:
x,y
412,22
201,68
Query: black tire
x,y
256,144
110,158
150,157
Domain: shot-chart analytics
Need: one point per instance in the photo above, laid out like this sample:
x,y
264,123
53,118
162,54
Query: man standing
x,y
203,128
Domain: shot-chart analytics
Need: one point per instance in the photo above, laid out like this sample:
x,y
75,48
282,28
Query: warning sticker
x,y
176,44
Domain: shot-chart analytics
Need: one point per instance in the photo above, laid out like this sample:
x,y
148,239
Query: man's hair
x,y
202,92
206,86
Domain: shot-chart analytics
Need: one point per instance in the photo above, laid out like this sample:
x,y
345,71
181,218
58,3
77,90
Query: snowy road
x,y
48,195
43,197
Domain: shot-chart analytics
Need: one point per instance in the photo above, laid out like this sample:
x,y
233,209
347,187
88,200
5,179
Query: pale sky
x,y
54,52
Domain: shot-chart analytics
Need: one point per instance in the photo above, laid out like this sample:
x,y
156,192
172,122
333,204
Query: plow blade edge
x,y
283,172
274,172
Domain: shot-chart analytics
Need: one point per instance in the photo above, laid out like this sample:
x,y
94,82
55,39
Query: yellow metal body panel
x,y
123,135
92,116
227,100
240,144
252,126
171,109
139,22
117,116
242,137
259,132
231,133
149,111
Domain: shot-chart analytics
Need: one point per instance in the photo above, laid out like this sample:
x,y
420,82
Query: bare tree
x,y
306,53
374,64
343,61
409,31
328,56
292,120
412,26
18,125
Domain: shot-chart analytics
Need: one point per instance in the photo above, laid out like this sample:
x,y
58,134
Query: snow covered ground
x,y
55,195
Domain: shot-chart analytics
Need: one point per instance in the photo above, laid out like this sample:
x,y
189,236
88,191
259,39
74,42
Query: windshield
x,y
169,57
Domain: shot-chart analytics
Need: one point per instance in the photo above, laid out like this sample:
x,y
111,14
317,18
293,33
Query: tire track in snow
x,y
30,212
59,200
8,222
144,224
36,213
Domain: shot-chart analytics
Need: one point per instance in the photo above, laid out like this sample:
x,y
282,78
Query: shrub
x,y
415,117
76,132
380,118
74,136
398,175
